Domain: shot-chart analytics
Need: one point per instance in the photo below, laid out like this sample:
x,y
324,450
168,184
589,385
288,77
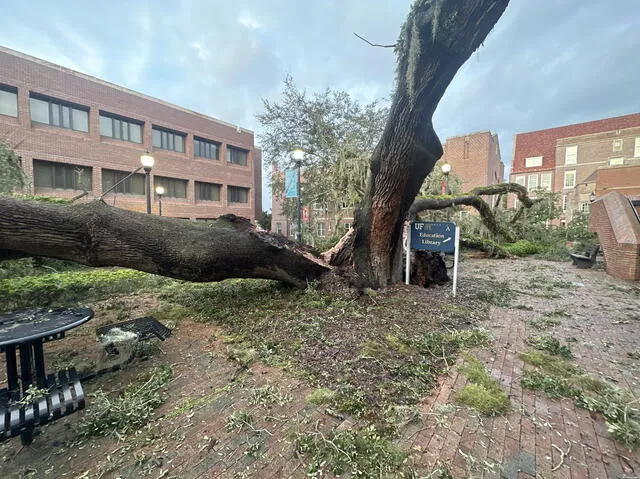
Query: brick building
x,y
77,133
475,159
569,159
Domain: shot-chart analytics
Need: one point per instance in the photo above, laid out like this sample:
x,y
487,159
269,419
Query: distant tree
x,y
337,134
11,175
264,220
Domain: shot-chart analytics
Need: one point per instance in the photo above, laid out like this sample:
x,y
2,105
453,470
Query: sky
x,y
546,63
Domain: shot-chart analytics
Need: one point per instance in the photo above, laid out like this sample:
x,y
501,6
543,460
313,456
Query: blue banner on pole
x,y
291,184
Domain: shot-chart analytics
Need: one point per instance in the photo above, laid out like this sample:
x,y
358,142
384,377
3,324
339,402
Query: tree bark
x,y
437,38
474,199
96,234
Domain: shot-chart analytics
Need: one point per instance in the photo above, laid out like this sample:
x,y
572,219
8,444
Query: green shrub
x,y
522,248
321,396
72,287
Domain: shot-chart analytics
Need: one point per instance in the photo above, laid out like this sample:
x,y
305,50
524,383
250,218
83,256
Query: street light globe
x,y
446,168
147,160
297,154
159,190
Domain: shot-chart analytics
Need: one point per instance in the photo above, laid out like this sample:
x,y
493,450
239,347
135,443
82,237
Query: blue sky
x,y
546,63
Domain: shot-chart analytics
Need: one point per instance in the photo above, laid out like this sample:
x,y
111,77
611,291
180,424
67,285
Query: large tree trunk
x,y
437,38
96,234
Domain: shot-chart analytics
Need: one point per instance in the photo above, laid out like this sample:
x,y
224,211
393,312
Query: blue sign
x,y
433,236
291,184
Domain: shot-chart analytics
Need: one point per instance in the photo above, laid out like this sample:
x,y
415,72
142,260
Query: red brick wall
x,y
37,141
618,228
475,159
543,142
624,179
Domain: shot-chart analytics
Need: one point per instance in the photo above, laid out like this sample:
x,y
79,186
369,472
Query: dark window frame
x,y
199,185
126,186
170,187
75,180
11,89
199,143
123,120
231,148
244,188
167,137
60,106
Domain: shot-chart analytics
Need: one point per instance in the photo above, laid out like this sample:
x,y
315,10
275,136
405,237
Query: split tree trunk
x,y
437,38
96,234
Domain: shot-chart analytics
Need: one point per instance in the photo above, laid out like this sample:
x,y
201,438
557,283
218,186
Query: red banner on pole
x,y
305,214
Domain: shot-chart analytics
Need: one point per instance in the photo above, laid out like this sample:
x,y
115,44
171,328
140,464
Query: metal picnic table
x,y
26,331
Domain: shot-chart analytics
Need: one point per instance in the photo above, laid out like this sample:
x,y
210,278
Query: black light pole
x,y
147,163
159,192
298,155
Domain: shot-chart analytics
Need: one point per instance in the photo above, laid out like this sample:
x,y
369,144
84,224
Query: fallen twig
x,y
563,455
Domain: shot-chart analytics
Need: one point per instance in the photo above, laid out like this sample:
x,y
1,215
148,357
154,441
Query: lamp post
x,y
446,169
592,196
147,163
159,192
298,155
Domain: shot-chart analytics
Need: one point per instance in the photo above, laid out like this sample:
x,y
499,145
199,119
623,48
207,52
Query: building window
x,y
61,176
636,150
8,101
207,191
545,181
58,113
533,161
120,128
167,139
346,226
617,145
320,229
571,155
521,180
134,185
236,156
319,205
570,179
532,182
206,149
237,194
279,228
585,207
564,202
616,161
173,187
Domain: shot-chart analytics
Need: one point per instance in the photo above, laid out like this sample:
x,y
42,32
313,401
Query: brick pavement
x,y
526,442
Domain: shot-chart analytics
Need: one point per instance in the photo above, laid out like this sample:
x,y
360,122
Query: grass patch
x,y
498,294
551,345
75,287
484,393
363,453
321,396
122,414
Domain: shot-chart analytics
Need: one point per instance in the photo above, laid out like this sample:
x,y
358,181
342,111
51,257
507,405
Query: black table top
x,y
32,324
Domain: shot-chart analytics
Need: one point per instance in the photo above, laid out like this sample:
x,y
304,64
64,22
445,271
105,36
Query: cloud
x,y
545,63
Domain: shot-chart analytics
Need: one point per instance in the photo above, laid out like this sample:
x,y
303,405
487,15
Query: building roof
x,y
543,142
55,66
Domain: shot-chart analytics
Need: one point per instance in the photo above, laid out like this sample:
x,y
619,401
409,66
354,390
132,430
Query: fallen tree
x,y
436,39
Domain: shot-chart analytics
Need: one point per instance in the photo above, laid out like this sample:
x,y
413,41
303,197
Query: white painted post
x,y
407,250
455,261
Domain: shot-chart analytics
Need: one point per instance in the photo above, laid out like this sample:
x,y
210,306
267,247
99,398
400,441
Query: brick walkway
x,y
527,442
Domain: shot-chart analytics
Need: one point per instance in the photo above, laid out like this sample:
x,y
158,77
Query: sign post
x,y
439,236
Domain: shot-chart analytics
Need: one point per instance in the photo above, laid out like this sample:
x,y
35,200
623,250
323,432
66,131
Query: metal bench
x,y
587,260
64,396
